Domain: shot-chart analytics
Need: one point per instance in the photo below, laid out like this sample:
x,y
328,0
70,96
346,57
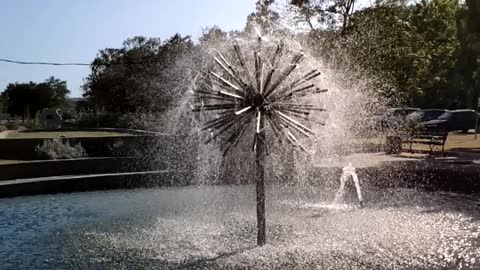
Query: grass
x,y
462,142
67,134
456,142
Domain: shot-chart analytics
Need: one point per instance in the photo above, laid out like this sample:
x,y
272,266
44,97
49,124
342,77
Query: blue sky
x,y
74,31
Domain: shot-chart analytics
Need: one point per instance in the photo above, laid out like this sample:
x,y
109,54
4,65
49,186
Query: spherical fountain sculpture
x,y
249,99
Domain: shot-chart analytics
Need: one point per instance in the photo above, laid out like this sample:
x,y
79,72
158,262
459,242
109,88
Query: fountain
x,y
263,96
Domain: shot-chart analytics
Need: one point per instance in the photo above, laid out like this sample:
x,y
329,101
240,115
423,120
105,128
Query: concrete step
x,y
81,166
86,182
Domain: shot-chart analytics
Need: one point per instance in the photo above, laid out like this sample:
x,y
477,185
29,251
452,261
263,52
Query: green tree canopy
x,y
410,48
330,14
26,99
122,79
422,53
264,17
468,24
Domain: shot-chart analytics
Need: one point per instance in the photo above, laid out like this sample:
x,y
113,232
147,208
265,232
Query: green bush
x,y
96,120
11,125
59,149
142,121
32,124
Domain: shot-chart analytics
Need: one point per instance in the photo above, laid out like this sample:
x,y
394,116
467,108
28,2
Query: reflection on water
x,y
214,227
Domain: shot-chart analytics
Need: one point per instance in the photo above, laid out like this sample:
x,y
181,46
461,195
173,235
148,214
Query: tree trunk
x,y
475,94
260,177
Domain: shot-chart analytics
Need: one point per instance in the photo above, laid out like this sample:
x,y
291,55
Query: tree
x,y
410,49
264,17
56,90
26,99
122,80
213,34
331,14
382,42
2,105
392,3
434,25
468,26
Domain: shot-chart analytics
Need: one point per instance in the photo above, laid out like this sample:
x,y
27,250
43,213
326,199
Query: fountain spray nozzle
x,y
349,172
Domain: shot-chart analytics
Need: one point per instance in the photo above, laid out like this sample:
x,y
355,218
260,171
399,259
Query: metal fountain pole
x,y
260,147
260,177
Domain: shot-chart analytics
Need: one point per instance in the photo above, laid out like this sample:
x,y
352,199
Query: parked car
x,y
425,115
454,120
395,117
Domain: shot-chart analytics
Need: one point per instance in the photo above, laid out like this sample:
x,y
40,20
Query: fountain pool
x,y
214,228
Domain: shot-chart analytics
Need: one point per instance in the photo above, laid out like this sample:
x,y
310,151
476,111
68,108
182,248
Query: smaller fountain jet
x,y
349,171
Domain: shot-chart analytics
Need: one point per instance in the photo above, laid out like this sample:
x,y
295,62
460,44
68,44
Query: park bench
x,y
431,137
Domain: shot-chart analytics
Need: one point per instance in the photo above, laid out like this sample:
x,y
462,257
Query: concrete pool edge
x,y
428,175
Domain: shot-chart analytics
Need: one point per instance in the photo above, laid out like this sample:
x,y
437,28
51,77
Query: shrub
x,y
67,115
59,149
141,121
32,124
91,120
11,125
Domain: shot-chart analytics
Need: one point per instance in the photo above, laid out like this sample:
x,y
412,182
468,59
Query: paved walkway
x,y
3,134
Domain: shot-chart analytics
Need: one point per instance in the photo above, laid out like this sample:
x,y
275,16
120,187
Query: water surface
x,y
214,227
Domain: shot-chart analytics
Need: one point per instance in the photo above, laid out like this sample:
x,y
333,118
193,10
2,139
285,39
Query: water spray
x,y
347,172
240,96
